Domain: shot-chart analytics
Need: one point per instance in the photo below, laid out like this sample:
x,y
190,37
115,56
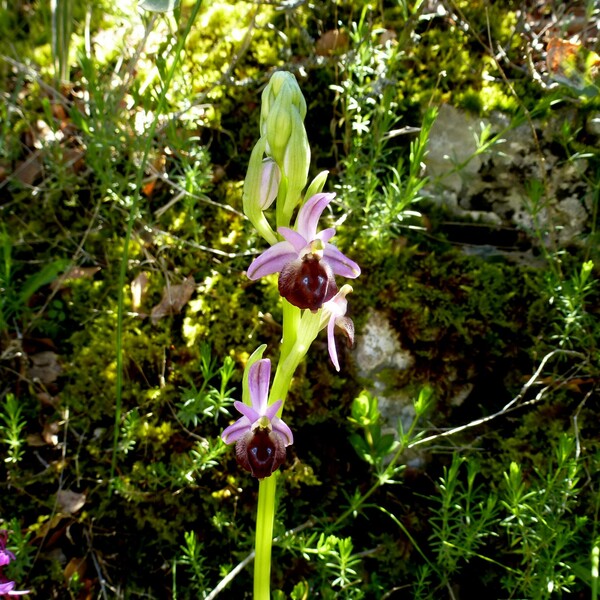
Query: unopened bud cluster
x,y
283,147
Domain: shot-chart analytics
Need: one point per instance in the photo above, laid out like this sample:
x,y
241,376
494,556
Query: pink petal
x,y
248,411
234,432
326,234
283,430
273,409
340,263
272,260
258,385
310,213
338,305
294,238
331,343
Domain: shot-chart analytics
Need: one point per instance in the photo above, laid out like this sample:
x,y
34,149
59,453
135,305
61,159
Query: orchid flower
x,y
260,435
7,588
333,316
305,260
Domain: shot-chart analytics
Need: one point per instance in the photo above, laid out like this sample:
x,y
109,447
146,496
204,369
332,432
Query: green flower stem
x,y
299,331
264,537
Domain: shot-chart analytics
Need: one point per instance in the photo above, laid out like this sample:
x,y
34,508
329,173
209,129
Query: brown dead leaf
x,y
331,42
389,35
73,158
50,433
28,171
58,111
48,399
157,168
72,274
44,367
175,297
70,502
45,530
34,440
76,566
138,290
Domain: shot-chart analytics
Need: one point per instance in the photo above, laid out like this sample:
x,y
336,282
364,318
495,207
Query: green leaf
x,y
47,274
159,5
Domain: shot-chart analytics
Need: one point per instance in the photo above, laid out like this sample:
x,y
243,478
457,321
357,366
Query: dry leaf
x,y
50,433
174,298
70,502
138,290
76,566
34,440
72,274
74,158
570,63
48,399
44,367
332,42
29,170
389,35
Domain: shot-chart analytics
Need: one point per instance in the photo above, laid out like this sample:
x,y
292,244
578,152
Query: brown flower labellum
x,y
260,452
307,282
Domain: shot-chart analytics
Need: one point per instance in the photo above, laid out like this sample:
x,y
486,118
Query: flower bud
x,y
296,162
281,85
270,180
278,127
282,112
254,197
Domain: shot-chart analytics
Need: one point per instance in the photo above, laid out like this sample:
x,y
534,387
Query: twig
x,y
509,407
101,577
236,570
183,192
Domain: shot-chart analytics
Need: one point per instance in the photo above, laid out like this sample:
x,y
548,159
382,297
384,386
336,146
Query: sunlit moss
x,y
159,434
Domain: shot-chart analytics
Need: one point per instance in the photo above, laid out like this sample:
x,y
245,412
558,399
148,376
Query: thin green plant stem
x,y
162,100
595,563
299,332
264,537
405,531
381,478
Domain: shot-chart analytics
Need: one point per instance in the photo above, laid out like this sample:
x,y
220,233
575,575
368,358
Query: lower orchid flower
x,y
305,260
7,587
261,436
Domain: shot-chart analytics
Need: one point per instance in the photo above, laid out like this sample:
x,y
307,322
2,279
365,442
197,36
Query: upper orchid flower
x,y
261,436
334,315
305,260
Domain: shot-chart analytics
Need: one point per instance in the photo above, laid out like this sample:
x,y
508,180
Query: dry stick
x,y
183,192
575,420
99,572
510,406
191,244
238,568
36,77
542,160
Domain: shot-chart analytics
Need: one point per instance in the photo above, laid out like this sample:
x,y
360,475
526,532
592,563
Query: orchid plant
x,y
307,264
